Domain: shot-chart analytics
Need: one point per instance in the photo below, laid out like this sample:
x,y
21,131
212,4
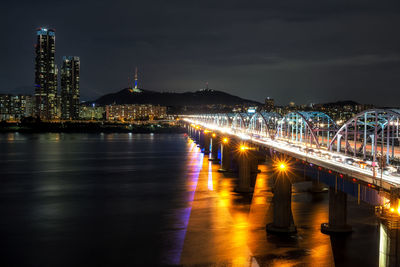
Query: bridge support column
x,y
188,130
254,169
206,142
199,138
214,148
337,213
282,204
389,242
225,156
244,179
194,135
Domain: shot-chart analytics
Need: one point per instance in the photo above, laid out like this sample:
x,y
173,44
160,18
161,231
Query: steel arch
x,y
225,119
264,124
240,121
368,128
311,127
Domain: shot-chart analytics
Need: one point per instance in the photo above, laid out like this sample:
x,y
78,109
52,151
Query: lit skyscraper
x,y
70,88
45,74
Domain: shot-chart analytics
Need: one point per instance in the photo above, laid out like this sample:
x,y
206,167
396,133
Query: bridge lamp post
x,y
282,166
243,148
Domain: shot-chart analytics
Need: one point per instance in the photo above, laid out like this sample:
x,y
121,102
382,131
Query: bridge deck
x,y
383,181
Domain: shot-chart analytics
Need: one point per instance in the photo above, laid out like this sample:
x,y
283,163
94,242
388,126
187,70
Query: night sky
x,y
302,51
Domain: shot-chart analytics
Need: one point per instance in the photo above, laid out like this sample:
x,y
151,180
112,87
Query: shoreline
x,y
90,127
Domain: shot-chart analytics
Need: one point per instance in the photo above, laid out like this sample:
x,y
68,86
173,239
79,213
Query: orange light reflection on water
x,y
226,228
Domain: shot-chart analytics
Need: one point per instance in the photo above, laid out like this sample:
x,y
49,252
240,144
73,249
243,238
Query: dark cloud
x,y
305,51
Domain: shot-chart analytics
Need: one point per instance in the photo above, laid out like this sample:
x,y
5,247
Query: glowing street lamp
x,y
282,166
225,140
243,148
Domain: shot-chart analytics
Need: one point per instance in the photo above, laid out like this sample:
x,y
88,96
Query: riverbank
x,y
91,127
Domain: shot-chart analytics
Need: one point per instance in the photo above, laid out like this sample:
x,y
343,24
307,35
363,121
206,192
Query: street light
x,y
282,166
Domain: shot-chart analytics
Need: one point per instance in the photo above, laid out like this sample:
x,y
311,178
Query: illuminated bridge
x,y
359,157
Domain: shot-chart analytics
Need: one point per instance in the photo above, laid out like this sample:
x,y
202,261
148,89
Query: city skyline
x,y
352,53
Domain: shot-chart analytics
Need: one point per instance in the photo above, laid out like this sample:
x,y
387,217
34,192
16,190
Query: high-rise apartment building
x,y
70,88
15,107
45,74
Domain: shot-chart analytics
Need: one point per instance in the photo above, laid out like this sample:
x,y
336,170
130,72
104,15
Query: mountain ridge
x,y
196,98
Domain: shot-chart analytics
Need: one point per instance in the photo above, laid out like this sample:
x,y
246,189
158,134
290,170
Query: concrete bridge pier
x,y
244,178
205,144
235,160
254,168
225,156
214,148
199,138
194,135
389,242
282,204
337,213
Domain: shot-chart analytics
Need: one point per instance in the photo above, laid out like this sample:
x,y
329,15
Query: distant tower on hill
x,y
135,85
136,78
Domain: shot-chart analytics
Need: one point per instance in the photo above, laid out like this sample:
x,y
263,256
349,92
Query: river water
x,y
155,200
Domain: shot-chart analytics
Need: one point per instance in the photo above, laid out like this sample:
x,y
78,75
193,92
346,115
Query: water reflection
x,y
130,196
173,253
226,228
210,176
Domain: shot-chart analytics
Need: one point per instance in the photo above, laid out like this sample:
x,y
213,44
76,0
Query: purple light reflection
x,y
183,215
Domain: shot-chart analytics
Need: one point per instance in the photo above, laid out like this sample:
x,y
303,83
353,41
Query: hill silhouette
x,y
197,98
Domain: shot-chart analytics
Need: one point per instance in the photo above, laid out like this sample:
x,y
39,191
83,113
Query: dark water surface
x,y
151,200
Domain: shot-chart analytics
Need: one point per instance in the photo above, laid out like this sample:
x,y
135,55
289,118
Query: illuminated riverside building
x,y
91,113
135,112
45,75
70,88
15,107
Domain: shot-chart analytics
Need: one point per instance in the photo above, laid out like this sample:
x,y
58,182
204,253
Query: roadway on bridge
x,y
393,179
